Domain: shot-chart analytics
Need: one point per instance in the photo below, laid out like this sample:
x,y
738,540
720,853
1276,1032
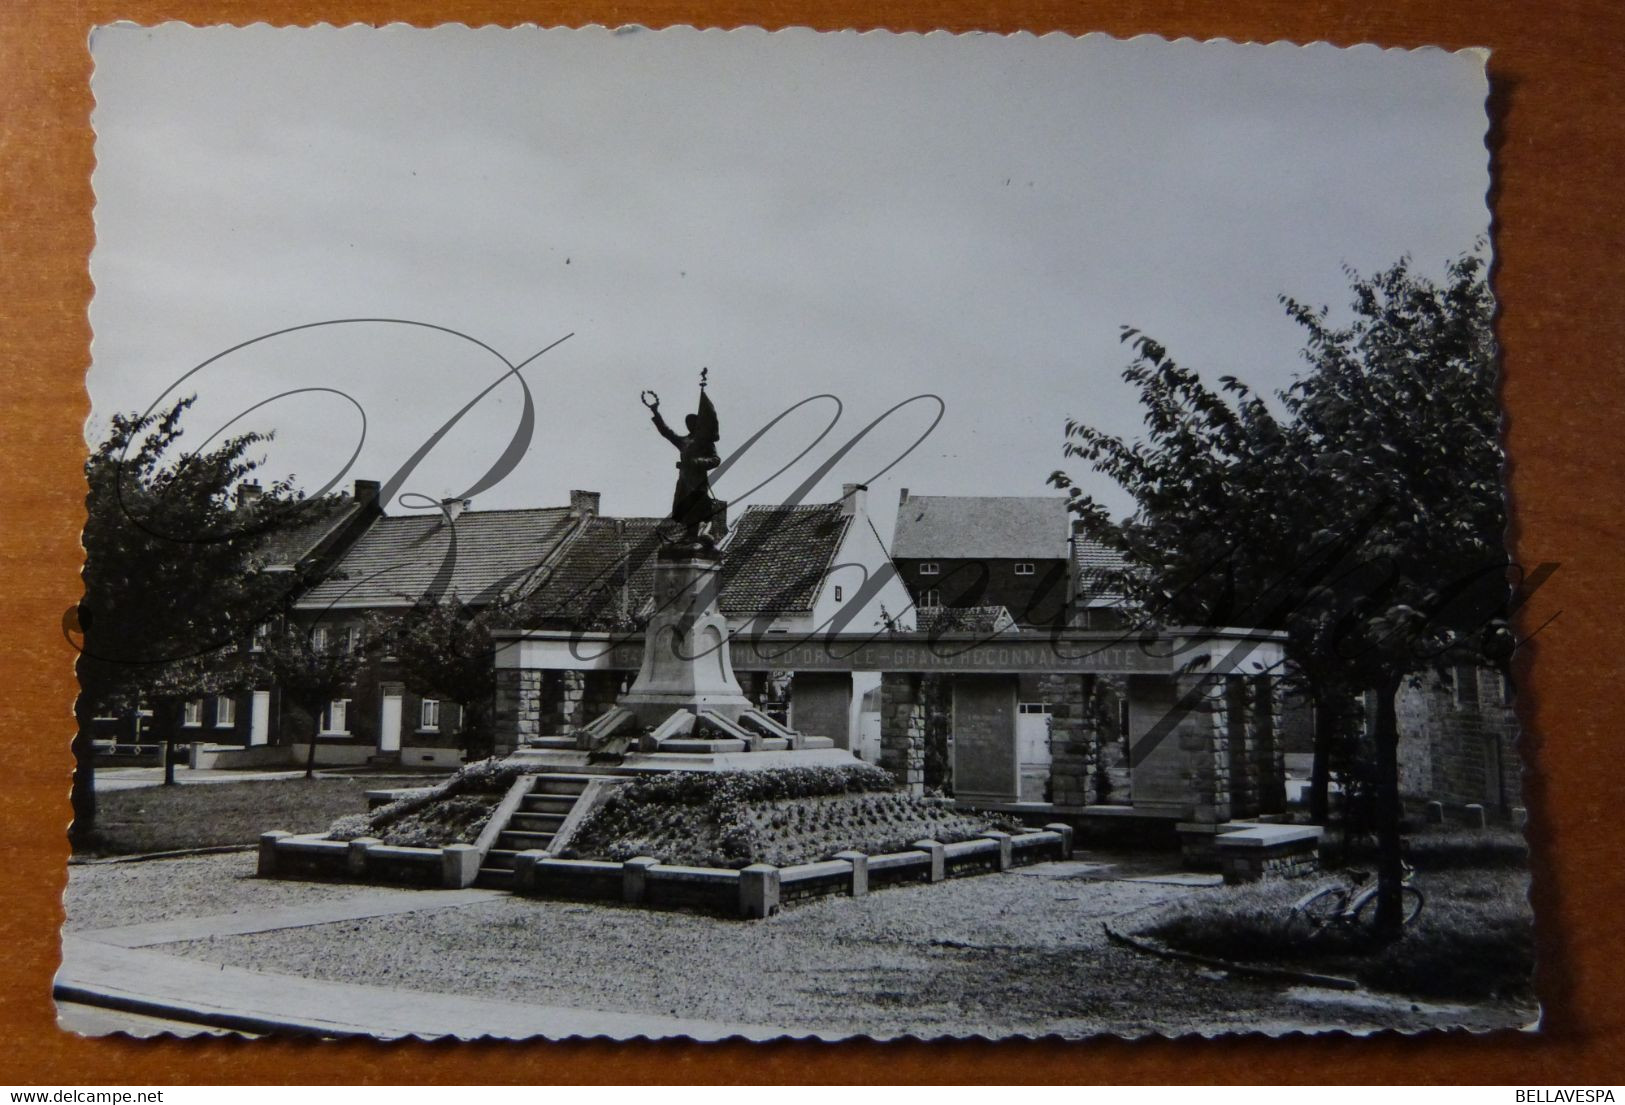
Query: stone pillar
x,y
902,730
1238,746
1269,754
1073,738
516,708
571,706
1201,736
759,890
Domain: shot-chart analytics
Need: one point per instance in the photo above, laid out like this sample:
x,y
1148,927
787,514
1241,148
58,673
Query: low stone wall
x,y
227,757
1268,852
761,889
333,754
756,891
313,856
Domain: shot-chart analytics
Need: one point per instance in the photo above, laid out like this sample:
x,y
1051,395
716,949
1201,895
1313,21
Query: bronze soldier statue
x,y
692,506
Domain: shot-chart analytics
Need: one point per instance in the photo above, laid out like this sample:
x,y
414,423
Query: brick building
x,y
1000,550
481,556
790,573
246,719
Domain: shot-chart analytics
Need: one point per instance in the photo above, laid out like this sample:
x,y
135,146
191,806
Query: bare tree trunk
x,y
1390,870
310,756
171,710
1320,774
83,828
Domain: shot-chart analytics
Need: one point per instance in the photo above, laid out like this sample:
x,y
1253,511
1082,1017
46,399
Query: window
x,y
929,568
318,638
225,712
335,719
192,713
429,715
1506,689
261,633
1464,685
932,597
837,592
1024,568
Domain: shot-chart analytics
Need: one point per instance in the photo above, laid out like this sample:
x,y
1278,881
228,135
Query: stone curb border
x,y
1274,974
757,891
178,853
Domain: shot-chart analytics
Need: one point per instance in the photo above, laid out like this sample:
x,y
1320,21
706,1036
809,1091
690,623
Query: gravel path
x,y
1021,953
108,895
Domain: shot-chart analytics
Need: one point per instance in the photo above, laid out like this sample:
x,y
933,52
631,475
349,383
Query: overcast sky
x,y
876,217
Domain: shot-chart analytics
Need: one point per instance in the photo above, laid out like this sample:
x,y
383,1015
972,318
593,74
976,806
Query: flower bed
x,y
453,812
783,817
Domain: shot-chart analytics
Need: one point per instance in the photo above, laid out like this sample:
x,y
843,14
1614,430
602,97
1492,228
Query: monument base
x,y
575,761
686,699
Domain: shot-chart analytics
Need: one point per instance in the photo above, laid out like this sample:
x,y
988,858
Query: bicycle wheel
x,y
1410,905
1322,908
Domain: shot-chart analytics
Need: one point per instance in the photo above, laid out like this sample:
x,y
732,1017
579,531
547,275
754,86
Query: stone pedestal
x,y
685,656
686,698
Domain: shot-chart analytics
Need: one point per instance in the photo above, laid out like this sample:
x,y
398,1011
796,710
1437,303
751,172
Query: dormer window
x,y
1024,568
929,568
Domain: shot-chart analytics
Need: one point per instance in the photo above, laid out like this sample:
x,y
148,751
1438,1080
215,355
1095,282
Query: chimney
x,y
365,492
248,494
454,508
902,497
855,499
585,502
719,518
1080,528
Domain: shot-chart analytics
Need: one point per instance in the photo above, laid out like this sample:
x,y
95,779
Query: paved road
x,y
135,778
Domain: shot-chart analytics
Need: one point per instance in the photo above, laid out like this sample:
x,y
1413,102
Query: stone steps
x,y
534,824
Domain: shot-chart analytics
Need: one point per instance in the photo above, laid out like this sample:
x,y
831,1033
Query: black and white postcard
x,y
677,533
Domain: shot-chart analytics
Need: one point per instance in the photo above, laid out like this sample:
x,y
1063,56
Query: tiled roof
x,y
398,559
776,557
1093,563
603,578
990,527
968,619
287,546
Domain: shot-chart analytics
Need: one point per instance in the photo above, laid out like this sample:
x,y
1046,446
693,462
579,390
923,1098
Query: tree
x,y
1366,523
311,673
445,651
1398,412
1216,536
169,575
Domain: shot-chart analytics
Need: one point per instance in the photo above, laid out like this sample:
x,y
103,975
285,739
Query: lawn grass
x,y
198,815
1474,939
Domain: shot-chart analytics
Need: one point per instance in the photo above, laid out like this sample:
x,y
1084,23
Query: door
x,y
868,749
1032,738
389,723
987,763
259,718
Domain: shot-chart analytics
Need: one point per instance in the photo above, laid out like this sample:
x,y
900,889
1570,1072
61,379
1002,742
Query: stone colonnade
x,y
1205,747
1231,761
